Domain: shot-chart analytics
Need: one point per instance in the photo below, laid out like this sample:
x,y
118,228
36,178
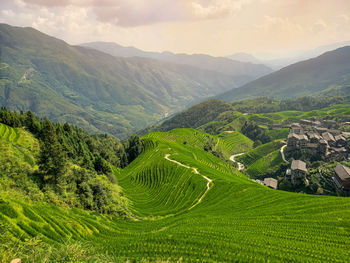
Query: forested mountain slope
x,y
328,73
92,89
242,72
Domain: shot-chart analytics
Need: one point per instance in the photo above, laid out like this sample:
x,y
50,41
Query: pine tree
x,y
52,159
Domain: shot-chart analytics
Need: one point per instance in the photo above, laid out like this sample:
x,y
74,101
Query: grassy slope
x,y
17,145
234,142
237,220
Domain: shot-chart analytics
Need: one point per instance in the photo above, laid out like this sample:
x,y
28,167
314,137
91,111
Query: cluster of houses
x,y
297,175
319,136
322,137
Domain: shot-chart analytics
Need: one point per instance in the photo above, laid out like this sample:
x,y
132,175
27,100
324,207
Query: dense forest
x,y
74,167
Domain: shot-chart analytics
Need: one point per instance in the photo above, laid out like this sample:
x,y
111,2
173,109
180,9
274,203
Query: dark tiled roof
x,y
343,172
328,136
339,137
271,182
298,165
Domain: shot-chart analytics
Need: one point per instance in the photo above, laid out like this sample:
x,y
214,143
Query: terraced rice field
x,y
237,221
234,142
17,144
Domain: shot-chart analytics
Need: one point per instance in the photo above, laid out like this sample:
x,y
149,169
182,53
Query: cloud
x,y
319,26
216,9
279,25
130,13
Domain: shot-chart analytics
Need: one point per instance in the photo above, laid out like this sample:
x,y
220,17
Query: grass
x,y
265,164
234,142
259,152
238,220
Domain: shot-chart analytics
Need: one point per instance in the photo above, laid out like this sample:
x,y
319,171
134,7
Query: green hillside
x,y
327,73
94,90
240,71
210,213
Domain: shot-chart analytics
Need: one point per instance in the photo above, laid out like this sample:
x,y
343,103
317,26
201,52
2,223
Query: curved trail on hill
x,y
282,153
209,184
240,165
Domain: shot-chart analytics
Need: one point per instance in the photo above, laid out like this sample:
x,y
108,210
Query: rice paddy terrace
x,y
237,219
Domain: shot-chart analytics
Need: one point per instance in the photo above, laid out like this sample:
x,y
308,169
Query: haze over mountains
x,y
278,63
327,73
242,72
94,90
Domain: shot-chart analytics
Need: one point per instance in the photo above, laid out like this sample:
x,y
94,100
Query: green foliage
x,y
233,215
254,132
60,179
261,151
194,117
94,90
52,160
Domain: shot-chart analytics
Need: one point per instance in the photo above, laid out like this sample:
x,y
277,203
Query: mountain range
x,y
242,72
327,73
94,90
278,63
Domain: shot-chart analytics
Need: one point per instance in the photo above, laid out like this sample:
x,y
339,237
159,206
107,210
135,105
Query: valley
x,y
111,153
186,203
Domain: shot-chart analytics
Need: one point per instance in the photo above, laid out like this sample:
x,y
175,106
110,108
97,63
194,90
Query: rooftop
x,y
298,165
328,136
343,172
271,182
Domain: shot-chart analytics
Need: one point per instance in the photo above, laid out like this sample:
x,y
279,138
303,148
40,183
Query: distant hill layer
x,y
242,72
328,73
94,90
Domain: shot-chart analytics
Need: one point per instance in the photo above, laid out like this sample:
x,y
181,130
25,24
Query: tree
x,y
133,147
52,160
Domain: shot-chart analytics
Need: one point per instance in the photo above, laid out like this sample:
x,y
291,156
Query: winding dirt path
x,y
282,153
240,165
209,184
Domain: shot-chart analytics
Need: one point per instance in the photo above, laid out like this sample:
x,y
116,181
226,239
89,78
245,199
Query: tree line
x,y
72,161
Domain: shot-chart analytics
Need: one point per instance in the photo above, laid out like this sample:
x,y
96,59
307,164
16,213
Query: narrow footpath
x,y
240,165
282,153
209,184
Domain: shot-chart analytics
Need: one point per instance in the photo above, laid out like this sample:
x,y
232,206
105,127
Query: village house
x,y
340,140
329,123
292,141
303,140
314,137
271,182
298,171
331,144
296,128
327,136
342,177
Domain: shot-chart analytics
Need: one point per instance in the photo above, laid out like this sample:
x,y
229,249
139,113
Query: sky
x,y
215,27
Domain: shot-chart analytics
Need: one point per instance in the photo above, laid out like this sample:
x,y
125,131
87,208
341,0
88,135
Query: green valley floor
x,y
190,206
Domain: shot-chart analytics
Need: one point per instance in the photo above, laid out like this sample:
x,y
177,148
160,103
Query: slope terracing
x,y
237,220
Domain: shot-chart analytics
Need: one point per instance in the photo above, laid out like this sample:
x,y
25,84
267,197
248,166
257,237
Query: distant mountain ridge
x,y
329,72
278,63
94,90
242,72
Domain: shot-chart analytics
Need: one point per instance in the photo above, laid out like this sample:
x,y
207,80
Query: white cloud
x,y
279,25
